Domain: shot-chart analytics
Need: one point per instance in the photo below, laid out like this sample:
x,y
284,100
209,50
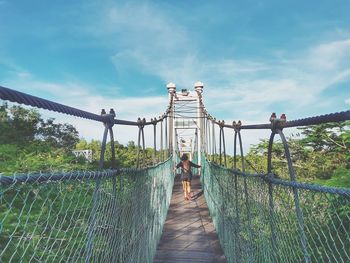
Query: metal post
x,y
113,163
112,147
161,141
238,249
154,140
143,145
91,227
103,148
173,132
296,197
138,144
171,91
114,208
208,138
235,151
166,137
245,192
238,255
198,86
220,154
271,210
170,133
224,145
199,131
213,143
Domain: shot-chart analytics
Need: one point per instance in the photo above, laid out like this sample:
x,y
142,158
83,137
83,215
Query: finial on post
x,y
171,88
112,112
283,117
273,116
198,86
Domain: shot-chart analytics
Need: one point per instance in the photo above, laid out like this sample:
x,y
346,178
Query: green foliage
x,y
58,135
18,125
126,156
29,143
321,155
340,178
329,137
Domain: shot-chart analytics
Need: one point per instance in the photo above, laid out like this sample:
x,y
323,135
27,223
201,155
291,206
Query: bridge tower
x,y
186,121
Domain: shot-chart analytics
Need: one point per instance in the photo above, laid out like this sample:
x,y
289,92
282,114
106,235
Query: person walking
x,y
186,175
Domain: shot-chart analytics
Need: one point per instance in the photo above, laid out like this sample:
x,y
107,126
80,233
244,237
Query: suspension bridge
x,y
137,214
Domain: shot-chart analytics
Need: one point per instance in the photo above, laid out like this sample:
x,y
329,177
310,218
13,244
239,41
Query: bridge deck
x,y
188,234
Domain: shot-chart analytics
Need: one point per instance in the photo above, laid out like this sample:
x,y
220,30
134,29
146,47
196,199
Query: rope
x,y
332,117
23,98
26,99
292,184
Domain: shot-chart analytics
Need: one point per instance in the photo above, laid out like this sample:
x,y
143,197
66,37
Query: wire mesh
x,y
256,219
103,216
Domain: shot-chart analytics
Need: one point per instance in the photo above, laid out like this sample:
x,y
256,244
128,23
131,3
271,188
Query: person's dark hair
x,y
184,157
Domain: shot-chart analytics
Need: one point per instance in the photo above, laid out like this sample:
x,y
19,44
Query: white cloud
x,y
328,56
146,39
159,45
347,101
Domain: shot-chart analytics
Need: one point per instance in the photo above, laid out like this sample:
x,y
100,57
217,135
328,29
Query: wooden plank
x,y
188,233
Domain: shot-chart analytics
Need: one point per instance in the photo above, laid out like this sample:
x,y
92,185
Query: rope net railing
x,y
98,216
257,220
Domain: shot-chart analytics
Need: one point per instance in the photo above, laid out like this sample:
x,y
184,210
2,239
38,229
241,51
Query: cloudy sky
x,y
254,57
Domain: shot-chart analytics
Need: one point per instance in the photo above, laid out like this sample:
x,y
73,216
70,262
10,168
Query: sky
x,y
254,57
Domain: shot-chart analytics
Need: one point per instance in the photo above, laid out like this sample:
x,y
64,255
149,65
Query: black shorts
x,y
186,177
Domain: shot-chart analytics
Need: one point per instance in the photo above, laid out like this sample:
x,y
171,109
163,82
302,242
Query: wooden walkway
x,y
188,234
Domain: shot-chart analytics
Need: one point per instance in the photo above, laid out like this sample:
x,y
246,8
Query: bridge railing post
x,y
154,123
237,130
222,149
161,140
298,211
166,138
237,228
270,186
92,222
277,127
213,152
141,136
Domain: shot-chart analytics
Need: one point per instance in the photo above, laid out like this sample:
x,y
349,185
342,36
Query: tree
x,y
18,125
29,143
23,127
328,137
58,135
321,154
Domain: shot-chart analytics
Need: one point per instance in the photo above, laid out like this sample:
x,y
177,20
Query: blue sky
x,y
254,57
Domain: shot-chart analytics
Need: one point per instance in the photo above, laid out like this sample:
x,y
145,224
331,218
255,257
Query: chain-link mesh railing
x,y
101,216
256,219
